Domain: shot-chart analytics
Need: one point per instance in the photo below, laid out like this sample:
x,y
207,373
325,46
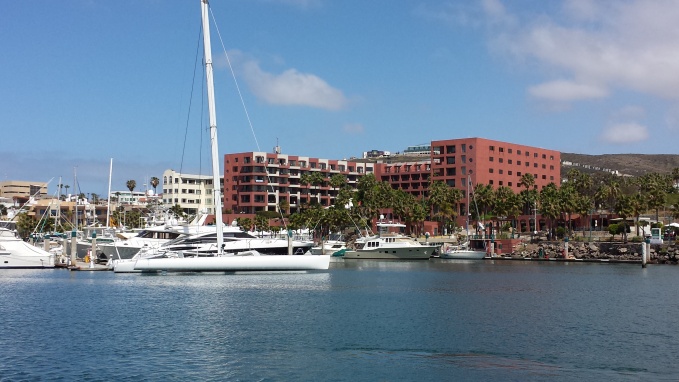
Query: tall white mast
x,y
213,125
108,207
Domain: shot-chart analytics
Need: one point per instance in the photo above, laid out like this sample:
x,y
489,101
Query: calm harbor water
x,y
360,321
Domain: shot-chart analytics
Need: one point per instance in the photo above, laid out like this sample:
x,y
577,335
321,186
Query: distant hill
x,y
627,164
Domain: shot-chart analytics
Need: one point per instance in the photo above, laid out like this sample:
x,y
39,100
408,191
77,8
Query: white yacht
x,y
391,246
152,237
16,253
234,241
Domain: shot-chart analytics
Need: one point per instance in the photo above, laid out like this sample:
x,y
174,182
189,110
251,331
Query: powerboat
x,y
391,246
16,253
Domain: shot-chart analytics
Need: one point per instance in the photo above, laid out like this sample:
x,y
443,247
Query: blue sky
x,y
83,81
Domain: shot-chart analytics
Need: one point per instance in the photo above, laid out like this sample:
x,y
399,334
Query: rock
x,y
622,250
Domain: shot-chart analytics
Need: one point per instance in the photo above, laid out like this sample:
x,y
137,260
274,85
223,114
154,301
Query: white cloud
x,y
623,133
618,45
292,88
353,128
496,12
630,112
562,90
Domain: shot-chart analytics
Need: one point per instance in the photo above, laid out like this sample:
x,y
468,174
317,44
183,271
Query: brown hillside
x,y
629,164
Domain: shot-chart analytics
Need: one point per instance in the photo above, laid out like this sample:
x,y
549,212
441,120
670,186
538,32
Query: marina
x,y
359,320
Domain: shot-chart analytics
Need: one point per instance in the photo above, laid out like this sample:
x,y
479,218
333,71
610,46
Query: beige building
x,y
193,193
22,189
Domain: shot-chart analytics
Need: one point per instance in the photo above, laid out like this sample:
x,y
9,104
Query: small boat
x,y
473,248
16,253
334,246
464,251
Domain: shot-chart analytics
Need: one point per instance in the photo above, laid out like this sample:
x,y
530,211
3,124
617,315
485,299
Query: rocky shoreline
x,y
599,251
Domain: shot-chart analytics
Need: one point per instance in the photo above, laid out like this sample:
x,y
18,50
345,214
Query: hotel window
x,y
509,151
518,162
551,157
544,166
527,154
492,148
450,171
509,173
544,156
464,159
509,161
518,174
518,152
451,182
535,164
551,167
500,160
490,182
500,183
490,170
535,155
509,184
450,160
464,148
502,149
464,170
450,149
491,159
551,178
544,177
500,171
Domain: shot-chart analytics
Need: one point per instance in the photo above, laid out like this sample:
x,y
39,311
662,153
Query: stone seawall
x,y
660,254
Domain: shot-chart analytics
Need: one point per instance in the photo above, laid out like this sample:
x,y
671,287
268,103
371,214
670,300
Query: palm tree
x,y
484,197
550,205
338,181
131,184
154,183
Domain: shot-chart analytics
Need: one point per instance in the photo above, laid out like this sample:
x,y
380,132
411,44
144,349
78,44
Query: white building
x,y
193,193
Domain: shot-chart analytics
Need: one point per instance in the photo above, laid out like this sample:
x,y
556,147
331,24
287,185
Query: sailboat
x,y
471,249
227,262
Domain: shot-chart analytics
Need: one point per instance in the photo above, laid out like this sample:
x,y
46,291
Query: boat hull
x,y
423,252
233,263
21,255
465,255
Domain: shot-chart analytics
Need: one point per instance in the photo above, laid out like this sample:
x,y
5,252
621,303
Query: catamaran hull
x,y
236,263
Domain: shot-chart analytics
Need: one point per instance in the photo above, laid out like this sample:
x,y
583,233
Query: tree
x,y
261,223
244,223
131,184
154,183
177,211
550,205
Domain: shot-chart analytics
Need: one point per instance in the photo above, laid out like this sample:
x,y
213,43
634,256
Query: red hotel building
x,y
483,161
259,181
